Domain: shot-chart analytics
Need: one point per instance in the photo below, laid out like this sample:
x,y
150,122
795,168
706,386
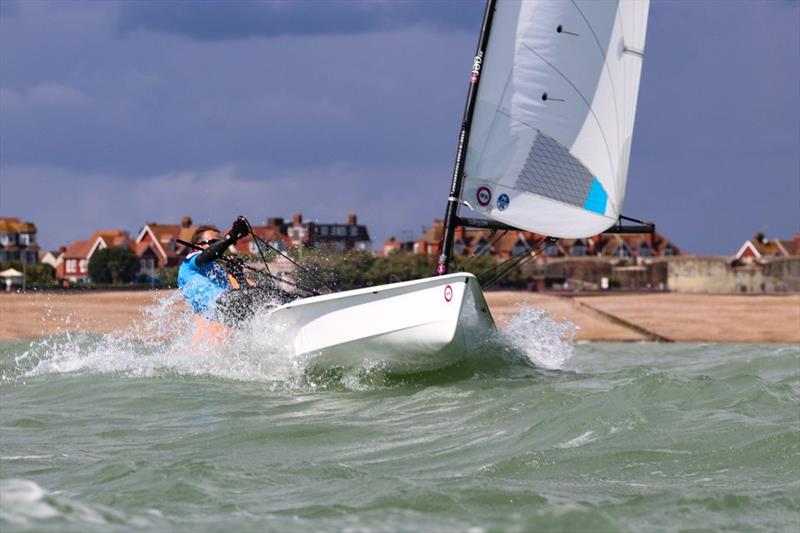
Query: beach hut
x,y
12,277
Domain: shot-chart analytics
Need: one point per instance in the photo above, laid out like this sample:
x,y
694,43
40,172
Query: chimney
x,y
62,249
297,218
275,222
759,238
186,221
351,219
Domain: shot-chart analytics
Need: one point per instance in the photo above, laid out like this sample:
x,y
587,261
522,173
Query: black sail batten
x,y
451,214
482,223
640,226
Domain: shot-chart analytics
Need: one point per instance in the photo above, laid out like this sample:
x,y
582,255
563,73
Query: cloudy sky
x,y
113,114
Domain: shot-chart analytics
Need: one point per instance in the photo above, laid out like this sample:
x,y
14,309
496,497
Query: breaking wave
x,y
538,338
163,342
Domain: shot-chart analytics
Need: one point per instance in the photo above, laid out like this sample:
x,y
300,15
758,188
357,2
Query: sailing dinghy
x,y
544,147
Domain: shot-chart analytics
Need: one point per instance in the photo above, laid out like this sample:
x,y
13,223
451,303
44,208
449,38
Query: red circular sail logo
x,y
484,196
448,293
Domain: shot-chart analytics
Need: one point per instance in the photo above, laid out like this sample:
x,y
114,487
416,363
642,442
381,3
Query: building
x,y
52,258
393,246
74,263
506,244
332,236
759,248
274,233
163,239
18,241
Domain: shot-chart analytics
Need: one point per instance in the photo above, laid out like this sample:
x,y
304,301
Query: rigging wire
x,y
235,262
493,240
503,269
258,240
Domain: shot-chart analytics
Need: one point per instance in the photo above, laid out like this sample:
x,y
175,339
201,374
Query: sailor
x,y
215,294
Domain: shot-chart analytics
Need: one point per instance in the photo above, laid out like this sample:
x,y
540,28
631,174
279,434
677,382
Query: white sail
x,y
551,132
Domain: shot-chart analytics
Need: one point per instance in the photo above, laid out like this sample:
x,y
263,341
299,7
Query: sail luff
x,y
453,200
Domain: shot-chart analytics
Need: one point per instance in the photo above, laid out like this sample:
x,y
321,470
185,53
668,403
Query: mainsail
x,y
550,135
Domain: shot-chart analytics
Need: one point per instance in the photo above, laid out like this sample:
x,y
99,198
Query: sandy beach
x,y
616,317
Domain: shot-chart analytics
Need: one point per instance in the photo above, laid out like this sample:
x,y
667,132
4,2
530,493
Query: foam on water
x,y
25,503
544,342
161,342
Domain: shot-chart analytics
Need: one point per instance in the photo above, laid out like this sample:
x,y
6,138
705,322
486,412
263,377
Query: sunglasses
x,y
209,241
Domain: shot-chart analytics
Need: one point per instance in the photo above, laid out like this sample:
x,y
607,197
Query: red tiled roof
x,y
112,237
79,249
792,247
270,234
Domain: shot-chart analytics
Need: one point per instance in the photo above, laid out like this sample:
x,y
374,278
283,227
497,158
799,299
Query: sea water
x,y
532,432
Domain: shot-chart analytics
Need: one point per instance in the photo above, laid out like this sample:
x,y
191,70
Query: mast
x,y
450,217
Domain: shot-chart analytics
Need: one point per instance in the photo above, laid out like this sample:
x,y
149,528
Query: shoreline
x,y
602,317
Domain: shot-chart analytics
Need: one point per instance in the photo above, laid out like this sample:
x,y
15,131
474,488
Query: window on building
x,y
669,250
324,231
340,231
278,245
578,249
644,250
551,251
84,265
623,250
482,247
458,247
354,231
72,265
5,238
25,239
520,248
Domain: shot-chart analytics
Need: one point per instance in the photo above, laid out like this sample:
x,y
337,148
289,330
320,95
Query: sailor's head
x,y
204,236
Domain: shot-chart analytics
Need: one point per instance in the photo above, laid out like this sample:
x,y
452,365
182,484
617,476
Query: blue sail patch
x,y
551,171
596,199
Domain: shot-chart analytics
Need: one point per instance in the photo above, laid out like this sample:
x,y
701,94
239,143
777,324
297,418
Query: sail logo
x,y
502,202
476,67
484,196
448,293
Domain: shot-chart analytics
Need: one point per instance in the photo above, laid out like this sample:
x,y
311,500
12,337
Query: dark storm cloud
x,y
109,128
716,150
217,20
147,104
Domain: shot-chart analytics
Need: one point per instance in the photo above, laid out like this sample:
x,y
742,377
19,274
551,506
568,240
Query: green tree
x,y
168,277
113,265
38,275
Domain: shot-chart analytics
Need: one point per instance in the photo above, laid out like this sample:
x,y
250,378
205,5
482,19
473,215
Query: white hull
x,y
411,326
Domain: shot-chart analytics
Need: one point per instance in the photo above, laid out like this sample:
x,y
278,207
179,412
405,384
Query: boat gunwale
x,y
370,290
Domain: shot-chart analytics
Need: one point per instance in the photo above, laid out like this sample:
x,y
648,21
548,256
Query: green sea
x,y
531,432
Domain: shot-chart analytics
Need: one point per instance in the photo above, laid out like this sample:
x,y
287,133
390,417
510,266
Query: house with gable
x,y
162,240
52,257
759,249
74,262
